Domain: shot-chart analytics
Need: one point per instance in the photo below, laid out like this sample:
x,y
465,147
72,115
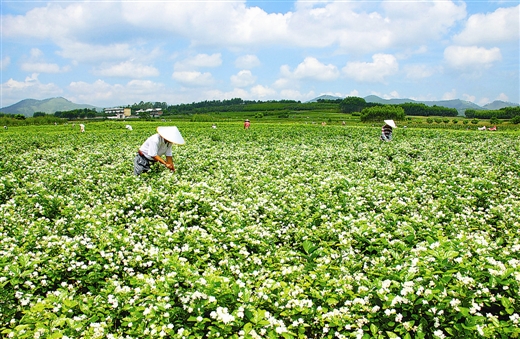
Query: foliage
x,y
420,109
494,120
503,113
352,104
382,112
9,120
293,231
77,113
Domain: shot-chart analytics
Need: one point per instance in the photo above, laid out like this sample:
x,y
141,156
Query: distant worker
x,y
81,128
5,127
247,124
386,130
155,146
494,128
128,127
214,126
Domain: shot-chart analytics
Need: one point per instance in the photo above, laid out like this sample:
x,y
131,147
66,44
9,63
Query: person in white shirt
x,y
155,147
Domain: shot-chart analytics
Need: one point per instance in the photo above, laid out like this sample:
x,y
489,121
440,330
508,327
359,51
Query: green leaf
x,y
373,329
308,247
332,301
464,311
247,328
505,302
70,303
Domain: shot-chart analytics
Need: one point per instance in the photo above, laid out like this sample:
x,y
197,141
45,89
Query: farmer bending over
x,y
386,130
155,146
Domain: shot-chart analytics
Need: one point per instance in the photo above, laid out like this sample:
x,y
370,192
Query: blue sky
x,y
115,53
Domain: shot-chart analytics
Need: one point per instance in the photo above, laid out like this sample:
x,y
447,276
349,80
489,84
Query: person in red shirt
x,y
247,124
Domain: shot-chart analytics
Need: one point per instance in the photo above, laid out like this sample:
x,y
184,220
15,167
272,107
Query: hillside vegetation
x,y
351,110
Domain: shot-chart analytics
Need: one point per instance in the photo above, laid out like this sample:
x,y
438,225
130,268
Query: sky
x,y
117,53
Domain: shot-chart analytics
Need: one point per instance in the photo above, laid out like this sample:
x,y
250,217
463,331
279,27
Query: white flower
x,y
454,302
439,334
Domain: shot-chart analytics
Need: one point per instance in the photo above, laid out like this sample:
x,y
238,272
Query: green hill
x,y
498,104
28,106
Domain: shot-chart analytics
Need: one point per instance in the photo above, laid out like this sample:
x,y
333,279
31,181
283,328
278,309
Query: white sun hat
x,y
390,123
171,134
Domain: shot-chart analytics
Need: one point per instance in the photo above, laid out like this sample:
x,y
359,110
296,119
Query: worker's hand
x,y
170,167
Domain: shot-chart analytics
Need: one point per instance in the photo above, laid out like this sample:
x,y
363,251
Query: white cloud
x,y
469,97
83,52
128,69
193,78
450,95
36,53
311,69
357,29
392,95
283,82
244,78
503,97
103,94
42,67
418,72
31,87
50,22
353,93
483,101
292,94
263,92
410,52
346,24
247,61
492,28
6,61
471,57
383,66
198,61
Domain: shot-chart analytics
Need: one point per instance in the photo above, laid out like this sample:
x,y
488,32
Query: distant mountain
x,y
498,104
28,106
325,97
459,105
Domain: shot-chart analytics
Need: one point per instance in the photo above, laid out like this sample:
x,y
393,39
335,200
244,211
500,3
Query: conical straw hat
x,y
171,134
390,123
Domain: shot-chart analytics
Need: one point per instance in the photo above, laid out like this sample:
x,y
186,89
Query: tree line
x,y
370,110
80,113
503,113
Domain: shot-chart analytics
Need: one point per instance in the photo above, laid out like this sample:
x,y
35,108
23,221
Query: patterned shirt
x,y
386,132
